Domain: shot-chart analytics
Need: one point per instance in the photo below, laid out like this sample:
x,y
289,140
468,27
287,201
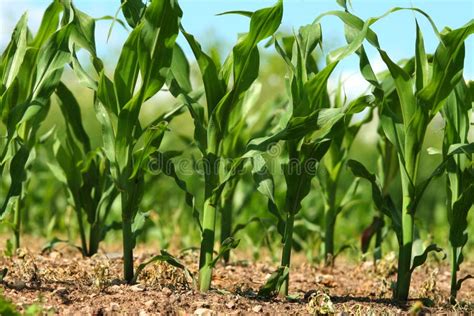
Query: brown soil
x,y
63,282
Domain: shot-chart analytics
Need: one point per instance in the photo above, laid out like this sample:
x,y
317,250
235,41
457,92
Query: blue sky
x,y
396,32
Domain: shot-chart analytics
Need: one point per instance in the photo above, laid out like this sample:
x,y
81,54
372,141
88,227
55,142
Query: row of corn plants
x,y
234,134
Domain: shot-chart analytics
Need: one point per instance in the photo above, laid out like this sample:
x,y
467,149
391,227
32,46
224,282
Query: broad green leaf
x,y
272,285
157,38
49,23
166,165
18,176
133,11
72,114
213,85
419,260
421,60
151,141
384,204
51,61
239,12
458,219
227,245
448,63
15,52
164,256
126,72
263,24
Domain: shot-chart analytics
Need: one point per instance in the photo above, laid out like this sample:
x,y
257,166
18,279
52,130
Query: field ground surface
x,y
61,281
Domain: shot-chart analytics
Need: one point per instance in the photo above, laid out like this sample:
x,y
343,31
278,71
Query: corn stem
x,y
208,224
286,254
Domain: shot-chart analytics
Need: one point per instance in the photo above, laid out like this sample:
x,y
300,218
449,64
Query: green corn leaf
x,y
383,204
164,256
83,34
458,223
360,104
139,223
157,38
420,259
265,185
227,245
49,23
166,165
83,76
454,149
315,89
448,64
213,85
394,132
299,174
51,61
113,19
421,61
318,125
180,70
18,176
263,24
197,113
72,114
51,244
106,94
133,11
263,178
108,133
151,140
461,281
15,52
242,226
344,3
350,195
272,285
126,73
311,35
239,12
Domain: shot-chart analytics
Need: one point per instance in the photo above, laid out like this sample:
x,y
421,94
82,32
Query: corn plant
x,y
232,147
244,124
85,173
223,96
387,164
140,73
459,177
31,69
306,129
334,163
421,95
387,169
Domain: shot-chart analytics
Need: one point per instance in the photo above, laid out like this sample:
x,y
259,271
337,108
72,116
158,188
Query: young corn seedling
x,y
244,124
459,177
387,169
140,73
85,173
30,70
242,127
306,129
333,164
223,95
421,94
